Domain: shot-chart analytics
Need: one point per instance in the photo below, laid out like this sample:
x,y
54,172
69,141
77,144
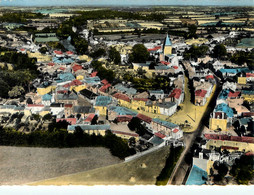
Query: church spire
x,y
167,41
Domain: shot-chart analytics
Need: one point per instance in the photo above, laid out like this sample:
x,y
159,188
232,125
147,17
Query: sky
x,y
124,2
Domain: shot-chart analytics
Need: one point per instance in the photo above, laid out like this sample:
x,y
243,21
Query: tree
x,y
242,170
16,91
192,31
114,56
47,117
135,125
139,53
80,44
43,50
98,53
152,65
219,51
4,88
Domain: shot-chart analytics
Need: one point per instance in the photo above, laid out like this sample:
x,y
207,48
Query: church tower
x,y
167,46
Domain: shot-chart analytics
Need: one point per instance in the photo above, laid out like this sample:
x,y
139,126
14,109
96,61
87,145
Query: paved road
x,y
178,175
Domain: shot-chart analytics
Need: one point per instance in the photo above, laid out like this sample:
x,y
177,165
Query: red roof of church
x,y
176,93
122,97
145,118
175,130
175,67
200,92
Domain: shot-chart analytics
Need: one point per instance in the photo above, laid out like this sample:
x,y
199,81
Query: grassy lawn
x,y
141,171
193,114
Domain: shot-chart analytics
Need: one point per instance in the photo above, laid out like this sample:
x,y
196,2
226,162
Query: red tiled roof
x,y
248,113
165,63
105,87
69,53
93,74
249,154
22,49
122,97
141,99
51,64
248,74
73,83
145,118
104,81
62,68
234,94
35,105
155,48
125,133
89,118
68,105
200,92
76,67
175,67
209,77
62,91
58,52
176,93
175,130
160,135
72,121
229,138
229,148
124,118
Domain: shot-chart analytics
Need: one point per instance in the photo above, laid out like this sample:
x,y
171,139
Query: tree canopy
x,y
195,52
219,51
114,56
139,53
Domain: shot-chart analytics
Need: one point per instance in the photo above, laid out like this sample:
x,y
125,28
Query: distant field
x,y
141,171
21,165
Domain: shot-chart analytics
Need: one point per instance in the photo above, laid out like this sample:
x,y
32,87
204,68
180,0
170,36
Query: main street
x,y
181,169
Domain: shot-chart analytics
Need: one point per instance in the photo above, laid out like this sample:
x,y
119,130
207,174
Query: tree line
x,y
19,17
59,137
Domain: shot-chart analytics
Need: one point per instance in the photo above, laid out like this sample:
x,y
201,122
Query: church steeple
x,y
167,41
167,46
